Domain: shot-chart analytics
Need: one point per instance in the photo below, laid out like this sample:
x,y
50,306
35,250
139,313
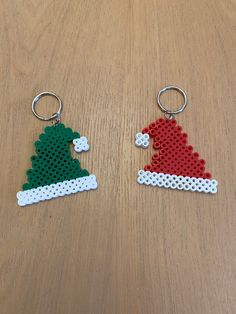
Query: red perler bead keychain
x,y
175,164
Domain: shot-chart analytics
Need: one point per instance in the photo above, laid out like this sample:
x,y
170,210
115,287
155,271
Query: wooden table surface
x,y
123,248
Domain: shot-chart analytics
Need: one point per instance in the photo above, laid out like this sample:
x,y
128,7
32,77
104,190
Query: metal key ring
x,y
55,115
171,113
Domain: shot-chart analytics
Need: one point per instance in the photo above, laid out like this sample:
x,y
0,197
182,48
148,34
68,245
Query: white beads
x,y
48,192
177,182
142,140
81,144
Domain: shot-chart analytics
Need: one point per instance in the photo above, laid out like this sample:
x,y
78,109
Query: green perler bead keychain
x,y
54,172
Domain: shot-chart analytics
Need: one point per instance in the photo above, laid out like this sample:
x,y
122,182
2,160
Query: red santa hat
x,y
175,164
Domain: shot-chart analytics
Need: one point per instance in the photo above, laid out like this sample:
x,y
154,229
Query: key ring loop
x,y
170,113
56,115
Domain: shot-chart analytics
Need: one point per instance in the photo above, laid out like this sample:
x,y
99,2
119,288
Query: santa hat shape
x,y
54,172
175,164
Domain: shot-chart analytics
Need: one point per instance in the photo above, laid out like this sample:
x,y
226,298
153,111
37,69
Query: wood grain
x,y
124,248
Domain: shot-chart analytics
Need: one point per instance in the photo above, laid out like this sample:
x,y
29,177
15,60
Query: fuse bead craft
x,y
175,164
54,172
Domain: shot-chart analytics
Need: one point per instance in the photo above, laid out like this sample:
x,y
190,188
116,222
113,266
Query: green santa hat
x,y
54,172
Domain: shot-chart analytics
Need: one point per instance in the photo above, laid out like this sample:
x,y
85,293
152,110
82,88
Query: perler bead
x,y
177,182
81,144
53,164
142,140
173,155
48,192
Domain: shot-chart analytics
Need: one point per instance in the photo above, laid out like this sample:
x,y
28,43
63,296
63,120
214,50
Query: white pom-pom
x,y
81,144
142,140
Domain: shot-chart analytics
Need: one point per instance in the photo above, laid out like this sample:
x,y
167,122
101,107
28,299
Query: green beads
x,y
53,162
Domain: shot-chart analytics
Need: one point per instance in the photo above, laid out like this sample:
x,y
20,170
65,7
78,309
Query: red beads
x,y
174,155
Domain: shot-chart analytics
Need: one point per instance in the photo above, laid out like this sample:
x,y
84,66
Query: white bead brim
x,y
177,182
48,192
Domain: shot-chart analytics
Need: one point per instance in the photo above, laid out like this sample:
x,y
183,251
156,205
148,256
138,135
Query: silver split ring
x,y
55,115
168,112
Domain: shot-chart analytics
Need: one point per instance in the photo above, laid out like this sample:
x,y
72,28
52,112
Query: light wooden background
x,y
124,248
